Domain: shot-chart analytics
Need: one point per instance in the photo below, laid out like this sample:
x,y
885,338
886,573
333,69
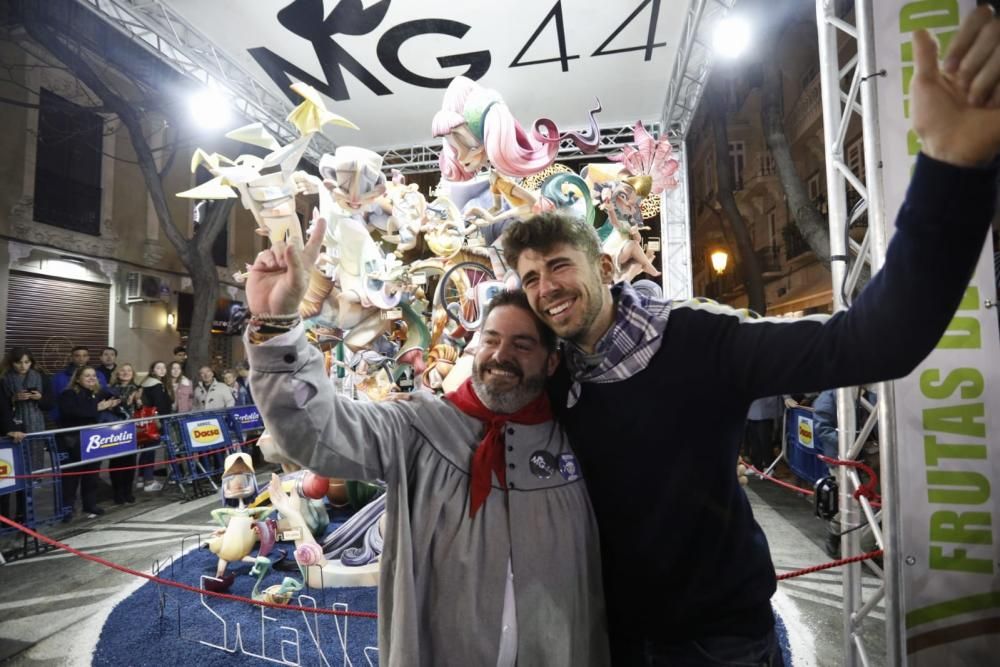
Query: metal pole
x,y
878,231
675,234
835,105
829,71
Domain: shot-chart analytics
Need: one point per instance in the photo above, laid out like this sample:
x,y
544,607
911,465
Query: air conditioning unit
x,y
140,287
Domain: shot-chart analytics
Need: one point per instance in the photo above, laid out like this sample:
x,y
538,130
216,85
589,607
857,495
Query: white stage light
x,y
209,108
732,36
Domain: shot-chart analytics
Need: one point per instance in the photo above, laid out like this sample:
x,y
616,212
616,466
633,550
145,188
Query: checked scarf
x,y
627,347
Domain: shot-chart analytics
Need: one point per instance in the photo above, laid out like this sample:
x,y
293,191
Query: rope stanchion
x,y
176,584
827,566
70,473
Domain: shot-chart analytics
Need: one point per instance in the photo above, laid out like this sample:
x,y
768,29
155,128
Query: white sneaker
x,y
140,483
154,486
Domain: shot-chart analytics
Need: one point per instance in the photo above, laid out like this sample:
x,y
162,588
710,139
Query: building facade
x,y
83,259
795,281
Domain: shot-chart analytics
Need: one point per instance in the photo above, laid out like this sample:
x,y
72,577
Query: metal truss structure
x,y
684,92
675,235
156,27
838,109
692,65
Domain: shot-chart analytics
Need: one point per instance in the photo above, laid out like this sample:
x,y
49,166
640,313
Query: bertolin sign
x,y
247,417
205,433
104,441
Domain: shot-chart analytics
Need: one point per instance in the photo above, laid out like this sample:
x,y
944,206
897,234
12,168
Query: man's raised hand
x,y
279,276
956,113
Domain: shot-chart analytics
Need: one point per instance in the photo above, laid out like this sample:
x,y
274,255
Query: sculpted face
x,y
467,148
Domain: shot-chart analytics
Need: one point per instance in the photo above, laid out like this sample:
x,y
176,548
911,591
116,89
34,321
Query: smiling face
x,y
88,379
125,374
511,363
206,374
568,292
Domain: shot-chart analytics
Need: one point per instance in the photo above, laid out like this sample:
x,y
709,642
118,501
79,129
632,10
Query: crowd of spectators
x,y
85,394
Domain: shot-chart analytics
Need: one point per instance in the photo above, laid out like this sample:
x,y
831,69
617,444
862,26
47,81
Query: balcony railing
x,y
769,259
795,244
806,111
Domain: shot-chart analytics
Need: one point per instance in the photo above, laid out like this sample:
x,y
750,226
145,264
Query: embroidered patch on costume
x,y
569,468
543,464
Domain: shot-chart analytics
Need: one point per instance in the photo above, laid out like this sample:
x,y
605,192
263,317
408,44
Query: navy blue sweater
x,y
683,557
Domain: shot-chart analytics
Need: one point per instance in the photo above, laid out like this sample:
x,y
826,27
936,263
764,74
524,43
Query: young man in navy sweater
x,y
654,394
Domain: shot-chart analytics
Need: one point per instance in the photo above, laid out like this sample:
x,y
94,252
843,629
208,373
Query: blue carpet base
x,y
159,624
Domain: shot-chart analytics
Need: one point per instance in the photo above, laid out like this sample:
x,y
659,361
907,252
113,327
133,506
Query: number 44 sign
x,y
305,19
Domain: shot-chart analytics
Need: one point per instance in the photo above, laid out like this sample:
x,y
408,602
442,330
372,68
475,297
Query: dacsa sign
x,y
806,432
205,433
7,468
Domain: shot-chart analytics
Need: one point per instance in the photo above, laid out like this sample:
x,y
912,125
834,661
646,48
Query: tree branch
x,y
169,162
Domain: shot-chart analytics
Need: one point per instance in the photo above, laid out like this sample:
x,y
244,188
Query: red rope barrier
x,y
72,473
761,473
827,566
177,584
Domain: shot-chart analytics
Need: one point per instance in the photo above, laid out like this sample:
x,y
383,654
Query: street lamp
x,y
209,108
719,260
732,37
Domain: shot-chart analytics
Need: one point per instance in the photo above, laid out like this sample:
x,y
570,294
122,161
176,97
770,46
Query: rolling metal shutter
x,y
50,316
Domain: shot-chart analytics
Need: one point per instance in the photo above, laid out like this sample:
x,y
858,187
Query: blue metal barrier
x,y
244,422
801,445
199,433
33,502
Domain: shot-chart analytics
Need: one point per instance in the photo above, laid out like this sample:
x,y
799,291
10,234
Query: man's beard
x,y
510,400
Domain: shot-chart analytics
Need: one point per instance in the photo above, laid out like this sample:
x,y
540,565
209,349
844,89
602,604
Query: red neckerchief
x,y
489,456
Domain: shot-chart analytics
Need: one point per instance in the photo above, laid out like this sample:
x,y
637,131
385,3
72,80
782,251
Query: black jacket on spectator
x,y
80,408
155,394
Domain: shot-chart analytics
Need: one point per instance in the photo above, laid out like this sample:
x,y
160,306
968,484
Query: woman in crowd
x,y
83,403
123,385
155,393
25,397
229,378
180,388
26,390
